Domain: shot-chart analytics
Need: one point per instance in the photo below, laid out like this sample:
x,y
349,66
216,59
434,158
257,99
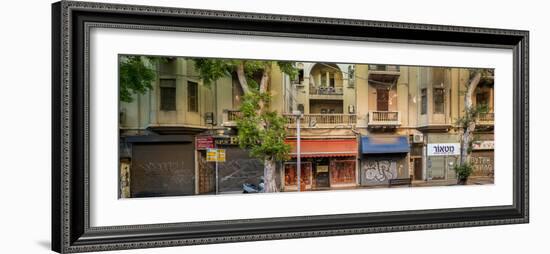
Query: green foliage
x,y
211,70
463,171
261,132
471,114
288,68
485,73
136,75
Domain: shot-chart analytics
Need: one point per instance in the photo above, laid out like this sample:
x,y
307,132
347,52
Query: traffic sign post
x,y
215,155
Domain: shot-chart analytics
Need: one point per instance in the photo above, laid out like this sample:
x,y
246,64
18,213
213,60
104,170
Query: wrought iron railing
x,y
324,90
315,120
384,118
486,118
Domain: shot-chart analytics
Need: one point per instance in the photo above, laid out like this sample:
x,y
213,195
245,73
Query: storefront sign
x,y
443,149
322,168
232,140
204,142
483,145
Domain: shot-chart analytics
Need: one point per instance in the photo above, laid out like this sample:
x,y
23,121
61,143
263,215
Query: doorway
x,y
417,164
382,99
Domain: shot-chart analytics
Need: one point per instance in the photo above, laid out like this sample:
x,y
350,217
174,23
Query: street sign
x,y
221,155
215,155
212,155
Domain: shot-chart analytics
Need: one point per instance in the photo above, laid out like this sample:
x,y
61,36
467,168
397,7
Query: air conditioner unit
x,y
418,138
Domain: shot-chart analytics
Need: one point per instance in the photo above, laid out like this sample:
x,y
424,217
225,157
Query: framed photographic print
x,y
181,126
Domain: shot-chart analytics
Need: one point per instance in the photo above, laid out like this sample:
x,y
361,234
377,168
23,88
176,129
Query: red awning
x,y
324,147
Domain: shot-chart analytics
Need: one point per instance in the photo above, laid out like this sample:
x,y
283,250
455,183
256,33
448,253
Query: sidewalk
x,y
421,183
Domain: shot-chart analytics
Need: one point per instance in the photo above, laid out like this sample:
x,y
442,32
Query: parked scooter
x,y
252,188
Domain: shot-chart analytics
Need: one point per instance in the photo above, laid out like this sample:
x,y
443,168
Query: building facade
x,y
361,125
402,119
163,132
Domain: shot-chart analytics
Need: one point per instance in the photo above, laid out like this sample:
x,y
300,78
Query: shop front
x,y
383,158
483,157
238,168
325,164
158,165
443,152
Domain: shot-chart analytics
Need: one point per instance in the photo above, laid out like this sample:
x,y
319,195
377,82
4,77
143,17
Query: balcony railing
x,y
375,67
384,118
321,120
230,117
486,118
323,90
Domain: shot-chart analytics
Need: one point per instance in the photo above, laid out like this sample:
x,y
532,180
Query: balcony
x,y
230,117
327,93
486,119
383,74
384,119
322,120
388,68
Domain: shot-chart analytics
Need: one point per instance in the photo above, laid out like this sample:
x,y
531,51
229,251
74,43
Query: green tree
x,y
136,74
467,122
261,130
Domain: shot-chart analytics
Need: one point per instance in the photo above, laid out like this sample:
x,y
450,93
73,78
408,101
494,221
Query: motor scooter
x,y
252,188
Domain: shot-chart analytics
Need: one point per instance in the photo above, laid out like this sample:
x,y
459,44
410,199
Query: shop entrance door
x,y
322,176
417,164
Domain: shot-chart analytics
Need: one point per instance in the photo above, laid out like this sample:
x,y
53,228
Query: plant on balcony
x,y
467,123
261,130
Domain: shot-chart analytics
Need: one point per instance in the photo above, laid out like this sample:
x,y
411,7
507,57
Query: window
x,y
424,101
300,75
192,97
332,80
351,75
167,94
439,100
482,97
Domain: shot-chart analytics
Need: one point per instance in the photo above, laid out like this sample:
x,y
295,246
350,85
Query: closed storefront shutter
x,y
162,169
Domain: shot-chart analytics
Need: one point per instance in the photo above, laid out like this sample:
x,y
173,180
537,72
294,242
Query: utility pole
x,y
298,115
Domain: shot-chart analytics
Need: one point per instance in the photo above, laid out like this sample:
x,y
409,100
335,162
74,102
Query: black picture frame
x,y
71,22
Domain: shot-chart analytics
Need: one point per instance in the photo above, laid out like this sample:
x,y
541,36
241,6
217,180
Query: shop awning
x,y
324,147
378,145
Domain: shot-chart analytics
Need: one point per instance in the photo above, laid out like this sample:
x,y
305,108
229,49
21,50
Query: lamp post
x,y
298,115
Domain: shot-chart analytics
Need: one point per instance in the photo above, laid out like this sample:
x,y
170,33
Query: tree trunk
x,y
269,176
242,78
467,132
264,85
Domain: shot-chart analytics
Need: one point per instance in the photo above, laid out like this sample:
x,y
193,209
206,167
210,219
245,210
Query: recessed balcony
x,y
326,93
230,117
383,74
322,120
384,119
486,119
